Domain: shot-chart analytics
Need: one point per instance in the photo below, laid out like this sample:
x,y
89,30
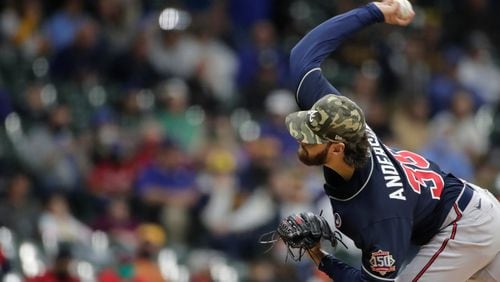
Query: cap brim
x,y
297,126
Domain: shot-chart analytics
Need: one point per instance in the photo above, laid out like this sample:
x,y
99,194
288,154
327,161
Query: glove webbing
x,y
337,237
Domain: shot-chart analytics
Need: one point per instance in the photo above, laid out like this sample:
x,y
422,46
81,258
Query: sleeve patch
x,y
382,262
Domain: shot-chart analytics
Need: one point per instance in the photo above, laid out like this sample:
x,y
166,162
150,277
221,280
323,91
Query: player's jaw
x,y
313,155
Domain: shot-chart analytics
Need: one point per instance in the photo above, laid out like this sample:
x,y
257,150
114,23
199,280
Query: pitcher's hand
x,y
390,9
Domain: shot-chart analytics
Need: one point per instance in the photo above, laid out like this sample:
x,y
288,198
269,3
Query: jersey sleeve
x,y
307,56
386,245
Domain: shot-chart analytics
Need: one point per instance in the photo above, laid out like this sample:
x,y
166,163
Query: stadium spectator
x,y
139,265
459,127
411,66
60,271
218,64
278,104
113,172
50,150
438,150
143,74
120,224
116,19
62,27
83,59
444,82
181,123
235,217
263,66
168,190
174,53
477,69
411,112
19,211
35,107
152,239
22,27
57,225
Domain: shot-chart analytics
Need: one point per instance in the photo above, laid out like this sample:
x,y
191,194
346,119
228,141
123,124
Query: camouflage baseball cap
x,y
332,118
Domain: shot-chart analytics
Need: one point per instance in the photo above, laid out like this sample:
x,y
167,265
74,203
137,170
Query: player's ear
x,y
337,148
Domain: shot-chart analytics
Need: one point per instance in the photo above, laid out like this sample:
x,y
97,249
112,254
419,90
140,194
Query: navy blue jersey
x,y
398,198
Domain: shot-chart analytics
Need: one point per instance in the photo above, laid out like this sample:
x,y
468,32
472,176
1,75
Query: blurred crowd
x,y
145,140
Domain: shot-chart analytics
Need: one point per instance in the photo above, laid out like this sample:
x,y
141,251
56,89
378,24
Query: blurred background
x,y
145,140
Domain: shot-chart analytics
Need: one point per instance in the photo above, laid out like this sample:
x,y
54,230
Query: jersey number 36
x,y
419,174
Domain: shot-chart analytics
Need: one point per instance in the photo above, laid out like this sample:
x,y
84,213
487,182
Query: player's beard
x,y
318,159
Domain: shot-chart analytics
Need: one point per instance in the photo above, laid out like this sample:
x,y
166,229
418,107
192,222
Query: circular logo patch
x,y
338,220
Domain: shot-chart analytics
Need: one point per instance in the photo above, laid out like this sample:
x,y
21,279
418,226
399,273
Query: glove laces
x,y
271,238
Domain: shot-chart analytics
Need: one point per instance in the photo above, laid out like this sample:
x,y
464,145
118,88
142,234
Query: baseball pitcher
x,y
384,199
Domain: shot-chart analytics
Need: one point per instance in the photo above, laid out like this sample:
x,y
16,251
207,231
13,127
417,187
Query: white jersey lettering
x,y
391,175
398,194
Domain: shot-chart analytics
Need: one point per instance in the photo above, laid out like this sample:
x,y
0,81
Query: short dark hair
x,y
356,153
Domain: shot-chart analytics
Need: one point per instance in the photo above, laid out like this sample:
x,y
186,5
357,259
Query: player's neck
x,y
340,167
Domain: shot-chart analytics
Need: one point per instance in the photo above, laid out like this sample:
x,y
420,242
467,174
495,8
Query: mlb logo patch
x,y
382,262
